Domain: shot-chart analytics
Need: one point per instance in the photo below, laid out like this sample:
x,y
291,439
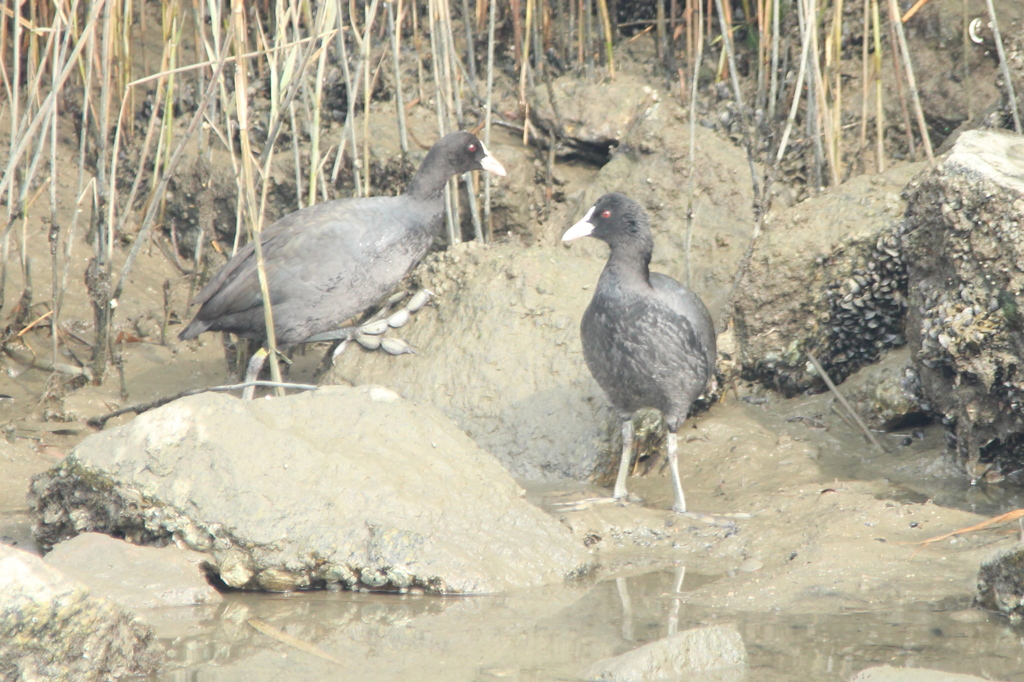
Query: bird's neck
x,y
429,180
628,266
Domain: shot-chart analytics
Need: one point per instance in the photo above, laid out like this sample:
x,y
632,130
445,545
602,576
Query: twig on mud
x,y
842,400
1002,518
31,362
294,642
100,421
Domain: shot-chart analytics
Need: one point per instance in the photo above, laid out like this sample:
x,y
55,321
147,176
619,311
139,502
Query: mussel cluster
x,y
867,310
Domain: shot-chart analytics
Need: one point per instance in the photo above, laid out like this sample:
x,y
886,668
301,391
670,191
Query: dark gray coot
x,y
330,262
647,339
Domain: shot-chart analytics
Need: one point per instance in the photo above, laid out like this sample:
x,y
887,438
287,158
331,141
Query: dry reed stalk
x,y
371,14
314,153
864,80
908,128
395,31
470,56
491,12
352,90
876,30
694,82
248,184
55,229
1004,67
606,25
837,92
774,82
894,15
738,94
823,152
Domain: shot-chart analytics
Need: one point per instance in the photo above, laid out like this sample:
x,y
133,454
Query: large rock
x,y
964,249
132,576
345,485
825,276
52,628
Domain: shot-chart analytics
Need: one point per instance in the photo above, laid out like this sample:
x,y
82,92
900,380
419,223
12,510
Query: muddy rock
x,y
568,108
826,276
52,628
350,486
135,577
884,393
964,248
718,648
499,353
1001,582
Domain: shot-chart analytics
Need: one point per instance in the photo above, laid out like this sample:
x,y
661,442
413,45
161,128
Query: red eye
x,y
472,147
606,213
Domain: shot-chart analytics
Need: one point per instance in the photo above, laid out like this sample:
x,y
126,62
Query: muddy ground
x,y
834,527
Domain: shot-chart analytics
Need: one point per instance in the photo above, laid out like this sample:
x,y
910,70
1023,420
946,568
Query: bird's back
x,y
324,264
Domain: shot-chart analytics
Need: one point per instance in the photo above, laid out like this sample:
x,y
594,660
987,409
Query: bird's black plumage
x,y
648,340
329,262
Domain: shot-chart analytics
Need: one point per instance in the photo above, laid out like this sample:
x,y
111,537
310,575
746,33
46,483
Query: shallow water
x,y
555,634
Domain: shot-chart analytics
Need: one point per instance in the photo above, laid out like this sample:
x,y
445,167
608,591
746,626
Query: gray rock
x,y
885,673
52,628
964,249
883,393
135,577
825,275
345,485
713,648
1001,582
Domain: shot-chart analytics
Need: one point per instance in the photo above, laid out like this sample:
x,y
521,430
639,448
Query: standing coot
x,y
648,340
329,262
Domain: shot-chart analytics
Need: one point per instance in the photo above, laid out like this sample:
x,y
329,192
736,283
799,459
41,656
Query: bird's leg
x,y
673,463
724,520
619,491
252,372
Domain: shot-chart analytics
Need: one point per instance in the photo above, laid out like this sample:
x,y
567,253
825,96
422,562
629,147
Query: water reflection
x,y
555,634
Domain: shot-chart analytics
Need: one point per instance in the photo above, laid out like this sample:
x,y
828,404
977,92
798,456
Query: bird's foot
x,y
724,520
590,502
371,335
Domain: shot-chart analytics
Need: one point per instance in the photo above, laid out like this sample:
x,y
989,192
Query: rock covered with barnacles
x,y
826,276
349,486
54,628
964,248
1001,583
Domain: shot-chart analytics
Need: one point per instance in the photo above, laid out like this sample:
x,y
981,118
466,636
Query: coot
x,y
331,261
647,339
